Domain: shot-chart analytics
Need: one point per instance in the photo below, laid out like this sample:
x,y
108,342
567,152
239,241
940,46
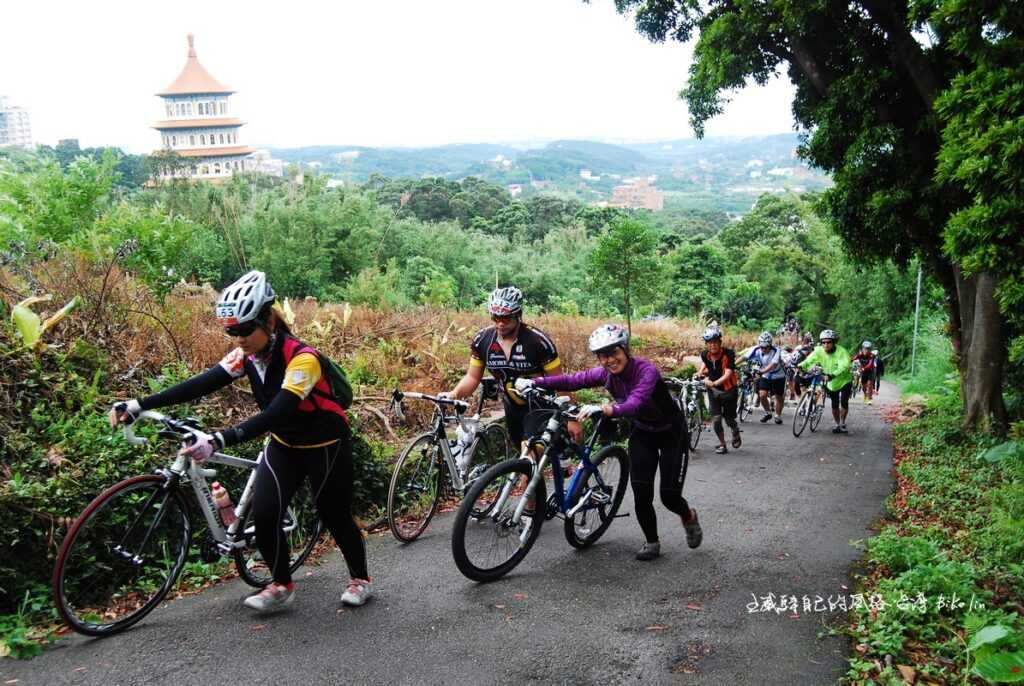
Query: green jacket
x,y
836,365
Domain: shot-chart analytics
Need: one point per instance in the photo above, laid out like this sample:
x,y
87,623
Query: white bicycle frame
x,y
470,425
226,538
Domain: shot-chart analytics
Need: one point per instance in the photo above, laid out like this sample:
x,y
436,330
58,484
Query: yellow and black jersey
x,y
532,354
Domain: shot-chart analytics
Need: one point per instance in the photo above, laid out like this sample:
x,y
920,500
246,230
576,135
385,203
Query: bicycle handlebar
x,y
184,427
459,405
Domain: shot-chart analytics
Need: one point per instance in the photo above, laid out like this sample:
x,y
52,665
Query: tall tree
x,y
626,259
866,91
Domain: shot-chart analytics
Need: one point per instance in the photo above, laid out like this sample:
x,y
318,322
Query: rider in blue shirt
x,y
772,380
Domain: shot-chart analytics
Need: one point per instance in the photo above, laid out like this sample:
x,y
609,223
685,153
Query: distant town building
x,y
514,189
15,129
638,194
265,164
200,126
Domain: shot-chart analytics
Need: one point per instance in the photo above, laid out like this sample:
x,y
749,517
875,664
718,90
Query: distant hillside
x,y
719,174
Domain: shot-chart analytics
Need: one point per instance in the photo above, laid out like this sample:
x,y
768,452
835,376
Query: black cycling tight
x,y
329,470
663,451
840,397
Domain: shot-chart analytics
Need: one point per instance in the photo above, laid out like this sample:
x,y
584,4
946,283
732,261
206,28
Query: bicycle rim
x,y
301,527
415,489
492,447
816,412
744,410
696,428
487,547
590,523
800,415
122,556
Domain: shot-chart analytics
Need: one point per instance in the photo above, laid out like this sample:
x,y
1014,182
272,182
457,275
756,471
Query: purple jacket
x,y
638,390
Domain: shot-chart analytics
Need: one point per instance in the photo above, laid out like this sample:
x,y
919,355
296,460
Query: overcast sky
x,y
403,72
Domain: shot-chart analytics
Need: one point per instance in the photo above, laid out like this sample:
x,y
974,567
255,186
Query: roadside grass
x,y
944,577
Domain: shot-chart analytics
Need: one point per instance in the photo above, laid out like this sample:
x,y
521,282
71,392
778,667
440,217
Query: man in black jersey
x,y
509,350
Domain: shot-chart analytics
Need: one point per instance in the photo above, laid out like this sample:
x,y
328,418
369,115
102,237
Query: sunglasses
x,y
606,353
241,330
502,318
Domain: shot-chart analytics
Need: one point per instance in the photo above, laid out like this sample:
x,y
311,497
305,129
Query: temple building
x,y
200,127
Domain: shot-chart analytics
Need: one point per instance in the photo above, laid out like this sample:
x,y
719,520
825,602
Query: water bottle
x,y
223,502
460,454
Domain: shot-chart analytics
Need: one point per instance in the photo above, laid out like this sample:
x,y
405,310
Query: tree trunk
x,y
981,352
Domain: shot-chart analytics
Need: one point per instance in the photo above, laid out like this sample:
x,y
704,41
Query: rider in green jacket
x,y
835,365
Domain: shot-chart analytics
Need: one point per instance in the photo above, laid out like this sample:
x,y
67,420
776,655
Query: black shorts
x,y
773,386
840,397
724,404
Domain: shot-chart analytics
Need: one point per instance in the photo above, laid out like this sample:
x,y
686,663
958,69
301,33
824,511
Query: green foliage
x,y
625,260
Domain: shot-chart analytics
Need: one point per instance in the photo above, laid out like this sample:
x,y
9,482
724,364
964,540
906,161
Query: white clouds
x,y
396,73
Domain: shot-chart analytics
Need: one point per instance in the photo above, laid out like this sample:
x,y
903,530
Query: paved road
x,y
778,516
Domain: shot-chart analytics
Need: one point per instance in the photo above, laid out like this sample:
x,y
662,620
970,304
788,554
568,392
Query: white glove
x,y
126,414
590,410
523,385
204,446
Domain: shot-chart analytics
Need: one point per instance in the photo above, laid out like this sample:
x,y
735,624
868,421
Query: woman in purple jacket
x,y
658,438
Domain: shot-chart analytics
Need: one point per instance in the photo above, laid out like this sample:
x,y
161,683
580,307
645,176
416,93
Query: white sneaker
x,y
357,592
270,598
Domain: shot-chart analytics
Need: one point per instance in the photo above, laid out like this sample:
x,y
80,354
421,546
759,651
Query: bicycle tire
x,y
301,539
817,410
493,530
496,447
696,425
613,457
415,488
800,414
743,409
89,584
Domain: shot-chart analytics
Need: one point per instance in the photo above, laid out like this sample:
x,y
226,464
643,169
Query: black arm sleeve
x,y
201,384
282,406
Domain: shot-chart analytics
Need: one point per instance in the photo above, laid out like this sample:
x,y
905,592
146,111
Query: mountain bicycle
x,y
811,406
502,514
748,391
124,553
433,464
688,394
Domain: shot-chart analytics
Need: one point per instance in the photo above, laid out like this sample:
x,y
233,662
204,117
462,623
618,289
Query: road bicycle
x,y
855,372
434,464
124,553
748,391
811,406
689,395
502,514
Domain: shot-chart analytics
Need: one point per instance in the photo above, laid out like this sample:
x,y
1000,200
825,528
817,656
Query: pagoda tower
x,y
199,126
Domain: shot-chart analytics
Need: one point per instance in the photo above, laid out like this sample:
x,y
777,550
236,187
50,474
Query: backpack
x,y
341,389
336,377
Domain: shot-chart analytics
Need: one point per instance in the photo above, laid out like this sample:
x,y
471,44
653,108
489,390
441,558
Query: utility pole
x,y
917,322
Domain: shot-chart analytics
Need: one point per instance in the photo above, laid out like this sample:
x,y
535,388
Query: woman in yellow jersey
x,y
310,436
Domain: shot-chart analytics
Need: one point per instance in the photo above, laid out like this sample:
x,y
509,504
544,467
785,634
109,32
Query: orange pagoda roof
x,y
195,123
194,78
215,152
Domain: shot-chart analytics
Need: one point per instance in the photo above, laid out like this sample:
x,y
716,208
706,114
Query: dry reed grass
x,y
422,349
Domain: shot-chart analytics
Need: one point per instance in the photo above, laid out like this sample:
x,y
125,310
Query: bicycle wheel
x,y
695,421
801,414
488,546
302,529
817,410
415,488
491,447
122,555
744,410
587,525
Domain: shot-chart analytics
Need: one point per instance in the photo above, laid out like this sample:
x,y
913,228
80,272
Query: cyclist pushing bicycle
x,y
658,440
309,433
834,362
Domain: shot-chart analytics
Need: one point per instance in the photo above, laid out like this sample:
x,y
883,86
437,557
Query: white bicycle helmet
x,y
765,339
866,344
828,335
243,300
505,301
712,333
608,336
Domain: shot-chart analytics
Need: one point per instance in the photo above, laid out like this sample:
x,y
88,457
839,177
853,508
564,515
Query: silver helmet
x,y
608,336
505,301
828,335
712,333
243,300
765,339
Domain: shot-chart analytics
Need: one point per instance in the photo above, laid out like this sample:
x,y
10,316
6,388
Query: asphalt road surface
x,y
778,517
